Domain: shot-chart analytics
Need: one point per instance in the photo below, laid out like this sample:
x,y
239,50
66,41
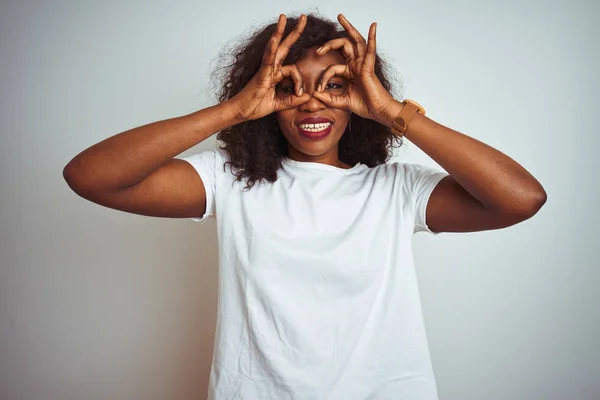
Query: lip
x,y
315,135
314,120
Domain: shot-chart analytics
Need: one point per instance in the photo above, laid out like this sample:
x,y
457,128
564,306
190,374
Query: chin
x,y
314,148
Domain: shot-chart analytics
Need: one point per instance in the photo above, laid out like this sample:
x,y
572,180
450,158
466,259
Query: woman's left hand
x,y
365,96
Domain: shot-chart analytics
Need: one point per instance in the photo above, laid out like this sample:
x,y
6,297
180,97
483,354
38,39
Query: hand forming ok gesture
x,y
258,98
365,96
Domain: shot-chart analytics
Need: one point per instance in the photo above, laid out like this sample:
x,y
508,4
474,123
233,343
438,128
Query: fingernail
x,y
300,92
319,87
320,48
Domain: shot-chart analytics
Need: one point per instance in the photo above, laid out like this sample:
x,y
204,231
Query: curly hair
x,y
256,148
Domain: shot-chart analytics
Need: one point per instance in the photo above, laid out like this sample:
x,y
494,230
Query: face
x,y
306,143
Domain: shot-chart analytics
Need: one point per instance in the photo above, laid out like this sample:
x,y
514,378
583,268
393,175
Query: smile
x,y
314,127
315,131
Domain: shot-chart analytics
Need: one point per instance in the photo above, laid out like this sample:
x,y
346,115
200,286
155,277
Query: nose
x,y
313,104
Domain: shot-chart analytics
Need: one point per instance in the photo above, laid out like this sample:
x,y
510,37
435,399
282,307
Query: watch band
x,y
409,109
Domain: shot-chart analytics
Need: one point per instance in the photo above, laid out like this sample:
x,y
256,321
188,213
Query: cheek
x,y
286,121
283,120
342,122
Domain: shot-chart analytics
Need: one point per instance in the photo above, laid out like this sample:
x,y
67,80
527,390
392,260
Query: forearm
x,y
490,176
124,159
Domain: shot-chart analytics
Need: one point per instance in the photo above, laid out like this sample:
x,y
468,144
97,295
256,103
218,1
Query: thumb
x,y
331,100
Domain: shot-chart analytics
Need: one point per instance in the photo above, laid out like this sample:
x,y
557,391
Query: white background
x,y
101,304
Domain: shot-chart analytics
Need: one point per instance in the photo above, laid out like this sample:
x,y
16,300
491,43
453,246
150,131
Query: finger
x,y
371,48
285,46
269,54
292,71
290,102
273,44
331,100
345,44
330,72
361,44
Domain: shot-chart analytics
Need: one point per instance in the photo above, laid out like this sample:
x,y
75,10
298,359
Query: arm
x,y
486,189
134,171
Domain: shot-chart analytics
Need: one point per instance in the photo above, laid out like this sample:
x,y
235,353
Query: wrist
x,y
390,113
233,111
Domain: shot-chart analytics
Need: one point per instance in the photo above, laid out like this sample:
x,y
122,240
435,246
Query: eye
x,y
334,86
285,88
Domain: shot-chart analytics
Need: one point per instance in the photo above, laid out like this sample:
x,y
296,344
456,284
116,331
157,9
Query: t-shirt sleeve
x,y
419,182
205,165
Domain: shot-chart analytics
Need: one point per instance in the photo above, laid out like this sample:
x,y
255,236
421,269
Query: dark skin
x,y
135,171
485,188
300,148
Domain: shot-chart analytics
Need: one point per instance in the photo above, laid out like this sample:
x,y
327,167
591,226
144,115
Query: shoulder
x,y
221,154
408,170
398,169
210,162
411,178
218,157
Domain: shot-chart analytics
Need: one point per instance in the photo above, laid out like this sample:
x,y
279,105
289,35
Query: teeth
x,y
315,127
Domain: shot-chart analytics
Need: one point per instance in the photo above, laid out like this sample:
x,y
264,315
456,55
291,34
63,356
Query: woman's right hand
x,y
259,97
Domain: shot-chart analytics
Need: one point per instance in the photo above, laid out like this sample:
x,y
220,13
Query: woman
x,y
317,292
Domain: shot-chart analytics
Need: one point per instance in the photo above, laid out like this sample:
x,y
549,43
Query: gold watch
x,y
400,123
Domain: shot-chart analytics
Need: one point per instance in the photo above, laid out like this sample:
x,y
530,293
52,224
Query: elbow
x,y
529,205
70,175
71,179
521,207
74,178
540,199
537,202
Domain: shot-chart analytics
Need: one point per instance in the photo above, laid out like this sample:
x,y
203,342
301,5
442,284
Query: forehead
x,y
312,63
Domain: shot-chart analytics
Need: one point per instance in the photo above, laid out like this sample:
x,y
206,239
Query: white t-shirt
x,y
318,295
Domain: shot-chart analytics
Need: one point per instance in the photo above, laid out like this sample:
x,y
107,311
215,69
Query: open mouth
x,y
315,131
